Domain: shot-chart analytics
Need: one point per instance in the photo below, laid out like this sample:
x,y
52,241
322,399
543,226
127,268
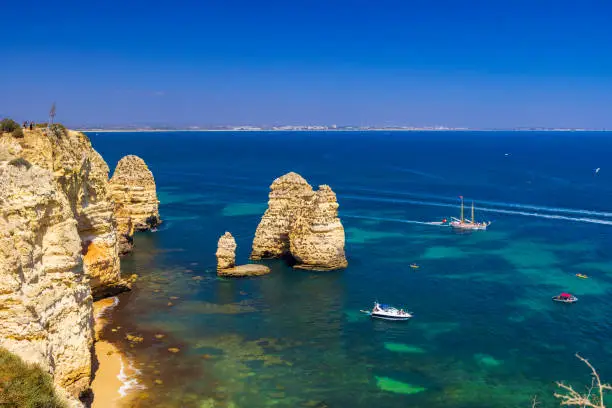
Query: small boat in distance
x,y
582,276
565,298
468,225
414,266
387,312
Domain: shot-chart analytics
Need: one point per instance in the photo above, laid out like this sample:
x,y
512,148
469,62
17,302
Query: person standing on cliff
x,y
31,124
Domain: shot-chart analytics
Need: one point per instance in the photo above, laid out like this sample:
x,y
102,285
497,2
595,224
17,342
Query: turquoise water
x,y
485,331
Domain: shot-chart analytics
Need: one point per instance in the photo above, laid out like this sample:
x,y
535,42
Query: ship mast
x,y
462,218
473,213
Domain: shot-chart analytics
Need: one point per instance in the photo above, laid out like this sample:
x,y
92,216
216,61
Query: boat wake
x,y
434,223
546,212
501,204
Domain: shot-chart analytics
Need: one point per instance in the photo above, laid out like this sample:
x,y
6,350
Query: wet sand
x,y
110,366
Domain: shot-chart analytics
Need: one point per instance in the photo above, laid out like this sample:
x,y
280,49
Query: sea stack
x,y
45,297
288,194
226,260
317,236
133,191
302,225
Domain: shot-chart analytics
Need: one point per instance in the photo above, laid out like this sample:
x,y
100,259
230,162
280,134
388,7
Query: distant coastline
x,y
134,130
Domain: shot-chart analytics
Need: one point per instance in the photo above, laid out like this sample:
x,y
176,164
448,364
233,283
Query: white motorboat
x,y
565,298
387,312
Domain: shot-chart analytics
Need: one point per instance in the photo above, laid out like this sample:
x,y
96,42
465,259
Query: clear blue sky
x,y
488,63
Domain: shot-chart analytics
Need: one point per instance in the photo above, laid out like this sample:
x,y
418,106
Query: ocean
x,y
485,332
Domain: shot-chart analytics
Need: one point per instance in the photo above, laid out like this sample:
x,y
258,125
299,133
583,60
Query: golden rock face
x,y
45,294
82,175
132,189
303,224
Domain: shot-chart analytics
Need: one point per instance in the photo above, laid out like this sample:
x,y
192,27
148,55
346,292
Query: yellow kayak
x,y
581,276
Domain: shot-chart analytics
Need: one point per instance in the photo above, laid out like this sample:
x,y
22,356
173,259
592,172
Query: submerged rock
x,y
226,260
133,191
244,270
302,225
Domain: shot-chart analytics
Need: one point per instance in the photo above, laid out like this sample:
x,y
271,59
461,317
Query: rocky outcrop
x,y
226,260
317,236
132,188
288,194
301,224
226,251
45,295
82,175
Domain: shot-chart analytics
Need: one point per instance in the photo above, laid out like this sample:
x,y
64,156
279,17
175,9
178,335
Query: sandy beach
x,y
109,385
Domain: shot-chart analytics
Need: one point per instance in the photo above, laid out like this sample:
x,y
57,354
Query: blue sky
x,y
488,63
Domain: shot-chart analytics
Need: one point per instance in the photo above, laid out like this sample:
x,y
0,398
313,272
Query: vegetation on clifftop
x,y
25,385
10,126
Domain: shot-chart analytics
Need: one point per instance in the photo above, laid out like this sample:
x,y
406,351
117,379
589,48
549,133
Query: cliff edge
x,y
82,175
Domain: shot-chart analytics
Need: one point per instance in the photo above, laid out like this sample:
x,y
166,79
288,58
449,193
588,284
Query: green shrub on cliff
x,y
59,130
8,125
25,385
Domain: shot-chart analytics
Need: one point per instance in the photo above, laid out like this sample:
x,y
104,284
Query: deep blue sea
x,y
485,332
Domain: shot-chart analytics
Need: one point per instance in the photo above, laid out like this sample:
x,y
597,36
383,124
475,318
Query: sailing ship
x,y
468,224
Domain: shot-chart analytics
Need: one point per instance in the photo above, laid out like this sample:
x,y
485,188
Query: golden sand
x,y
106,382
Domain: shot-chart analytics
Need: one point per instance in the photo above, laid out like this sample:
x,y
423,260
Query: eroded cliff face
x,y
82,175
45,295
317,236
132,188
302,224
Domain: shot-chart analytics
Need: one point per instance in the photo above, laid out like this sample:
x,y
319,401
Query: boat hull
x,y
571,300
386,317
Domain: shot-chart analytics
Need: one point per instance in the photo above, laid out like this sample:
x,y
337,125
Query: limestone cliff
x,y
301,224
82,175
317,236
45,295
132,188
226,260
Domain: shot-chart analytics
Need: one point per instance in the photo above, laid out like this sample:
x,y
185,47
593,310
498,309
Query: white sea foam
x,y
129,383
103,311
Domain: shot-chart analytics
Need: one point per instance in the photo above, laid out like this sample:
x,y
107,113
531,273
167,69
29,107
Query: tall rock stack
x,y
82,175
132,188
45,296
317,237
288,194
302,224
226,252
